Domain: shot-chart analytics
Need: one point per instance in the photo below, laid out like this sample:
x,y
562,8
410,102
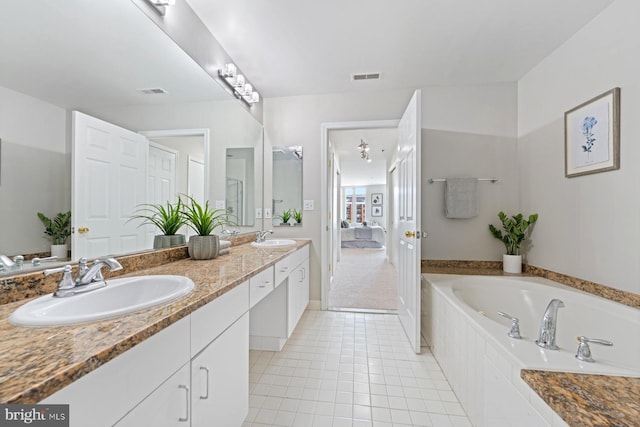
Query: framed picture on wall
x,y
376,211
376,198
592,135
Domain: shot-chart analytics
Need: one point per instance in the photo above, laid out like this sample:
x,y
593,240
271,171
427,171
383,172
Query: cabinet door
x,y
220,379
168,405
298,297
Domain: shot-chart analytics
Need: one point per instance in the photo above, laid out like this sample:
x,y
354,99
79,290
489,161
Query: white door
x,y
195,178
109,180
409,220
161,180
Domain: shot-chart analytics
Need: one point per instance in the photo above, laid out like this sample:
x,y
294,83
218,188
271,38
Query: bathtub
x,y
470,341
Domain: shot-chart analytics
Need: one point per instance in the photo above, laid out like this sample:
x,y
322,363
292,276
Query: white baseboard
x,y
314,304
266,343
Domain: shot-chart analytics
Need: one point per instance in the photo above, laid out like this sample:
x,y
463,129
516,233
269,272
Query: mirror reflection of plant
x,y
285,216
58,228
515,231
297,216
203,219
168,219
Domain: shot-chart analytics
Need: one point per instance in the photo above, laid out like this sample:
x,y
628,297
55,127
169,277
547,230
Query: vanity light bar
x,y
238,84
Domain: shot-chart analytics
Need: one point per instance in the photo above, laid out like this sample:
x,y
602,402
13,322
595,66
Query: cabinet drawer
x,y
260,286
286,266
211,320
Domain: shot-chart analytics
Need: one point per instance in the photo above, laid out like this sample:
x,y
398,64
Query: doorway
x,y
362,277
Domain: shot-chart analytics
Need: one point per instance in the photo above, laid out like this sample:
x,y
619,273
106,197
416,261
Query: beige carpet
x,y
364,279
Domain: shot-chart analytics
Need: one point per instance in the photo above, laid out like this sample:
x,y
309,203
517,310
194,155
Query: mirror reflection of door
x,y
240,180
161,179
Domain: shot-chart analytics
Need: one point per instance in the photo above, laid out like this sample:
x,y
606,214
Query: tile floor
x,y
349,369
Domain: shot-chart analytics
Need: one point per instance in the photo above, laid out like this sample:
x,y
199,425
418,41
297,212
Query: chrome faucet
x,y
260,235
6,264
547,337
88,279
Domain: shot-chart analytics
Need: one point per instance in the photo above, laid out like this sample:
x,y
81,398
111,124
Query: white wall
x,y
35,170
485,114
588,226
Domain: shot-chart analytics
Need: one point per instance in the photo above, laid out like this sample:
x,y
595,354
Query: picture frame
x,y
592,135
376,211
376,198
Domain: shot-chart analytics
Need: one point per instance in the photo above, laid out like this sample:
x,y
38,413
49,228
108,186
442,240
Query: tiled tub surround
x,y
483,365
36,362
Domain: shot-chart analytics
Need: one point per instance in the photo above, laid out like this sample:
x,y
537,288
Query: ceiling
x,y
295,47
357,172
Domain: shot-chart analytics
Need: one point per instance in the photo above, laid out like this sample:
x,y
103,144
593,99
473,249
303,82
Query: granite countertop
x,y
588,400
36,362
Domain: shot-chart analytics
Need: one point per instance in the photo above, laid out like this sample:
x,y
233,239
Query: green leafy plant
x,y
58,228
297,216
285,216
515,231
203,219
168,219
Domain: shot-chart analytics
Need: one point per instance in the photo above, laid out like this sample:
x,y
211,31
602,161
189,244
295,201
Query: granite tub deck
x,y
581,400
36,362
588,400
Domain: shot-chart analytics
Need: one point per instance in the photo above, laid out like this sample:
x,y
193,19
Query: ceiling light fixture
x,y
238,84
364,151
161,5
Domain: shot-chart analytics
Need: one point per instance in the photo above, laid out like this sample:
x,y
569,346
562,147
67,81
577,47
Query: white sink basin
x,y
119,297
274,243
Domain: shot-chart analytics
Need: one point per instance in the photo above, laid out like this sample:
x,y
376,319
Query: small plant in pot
x,y
284,217
203,220
297,216
169,219
58,229
515,230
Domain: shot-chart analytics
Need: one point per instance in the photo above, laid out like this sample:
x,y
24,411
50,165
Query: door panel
x,y
108,182
409,216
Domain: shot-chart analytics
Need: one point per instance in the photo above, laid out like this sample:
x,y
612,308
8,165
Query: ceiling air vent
x,y
367,76
152,91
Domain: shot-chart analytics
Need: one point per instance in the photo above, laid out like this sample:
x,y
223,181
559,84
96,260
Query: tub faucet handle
x,y
515,326
584,352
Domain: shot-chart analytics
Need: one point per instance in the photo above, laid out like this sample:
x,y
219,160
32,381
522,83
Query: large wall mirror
x,y
110,61
287,185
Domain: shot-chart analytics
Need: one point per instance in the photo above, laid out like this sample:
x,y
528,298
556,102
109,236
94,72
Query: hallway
x,y
364,279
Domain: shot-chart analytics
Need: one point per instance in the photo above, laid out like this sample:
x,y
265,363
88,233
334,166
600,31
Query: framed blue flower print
x,y
592,135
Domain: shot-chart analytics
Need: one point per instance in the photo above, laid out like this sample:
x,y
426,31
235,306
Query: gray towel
x,y
224,251
224,244
461,198
363,233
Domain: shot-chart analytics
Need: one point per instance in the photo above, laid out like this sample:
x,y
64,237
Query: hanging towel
x,y
461,198
224,244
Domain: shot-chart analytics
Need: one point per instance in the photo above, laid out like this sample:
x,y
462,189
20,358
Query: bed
x,y
362,237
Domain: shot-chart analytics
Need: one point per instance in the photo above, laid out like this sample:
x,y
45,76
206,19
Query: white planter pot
x,y
60,251
512,263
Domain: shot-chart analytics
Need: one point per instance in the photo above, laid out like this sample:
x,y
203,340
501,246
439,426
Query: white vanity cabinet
x,y
275,317
193,373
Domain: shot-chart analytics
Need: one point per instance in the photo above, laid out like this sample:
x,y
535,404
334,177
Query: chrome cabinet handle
x,y
514,332
284,269
206,370
264,285
186,389
584,352
304,273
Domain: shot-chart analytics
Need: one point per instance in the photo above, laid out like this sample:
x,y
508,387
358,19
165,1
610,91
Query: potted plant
x,y
168,219
284,217
58,229
515,232
297,216
203,220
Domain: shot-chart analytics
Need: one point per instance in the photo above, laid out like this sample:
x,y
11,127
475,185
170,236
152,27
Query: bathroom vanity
x,y
183,363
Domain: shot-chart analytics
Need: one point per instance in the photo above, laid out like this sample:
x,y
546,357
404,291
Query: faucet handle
x,y
584,352
515,326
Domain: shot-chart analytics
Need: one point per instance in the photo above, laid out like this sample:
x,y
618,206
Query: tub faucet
x,y
260,235
547,337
